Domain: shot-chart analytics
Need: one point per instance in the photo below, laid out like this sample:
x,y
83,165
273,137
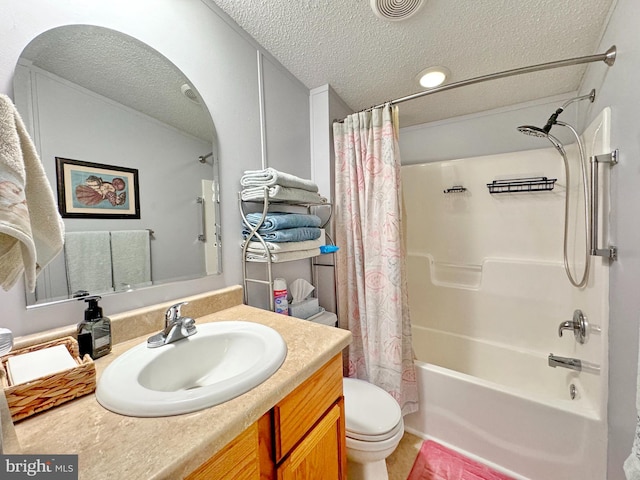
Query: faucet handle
x,y
578,324
173,312
189,326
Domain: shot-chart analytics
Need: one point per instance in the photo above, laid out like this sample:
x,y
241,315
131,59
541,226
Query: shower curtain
x,y
371,271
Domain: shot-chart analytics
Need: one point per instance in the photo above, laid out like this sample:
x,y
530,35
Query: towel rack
x,y
516,185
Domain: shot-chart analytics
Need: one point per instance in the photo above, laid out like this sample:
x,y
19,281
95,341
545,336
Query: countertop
x,y
112,446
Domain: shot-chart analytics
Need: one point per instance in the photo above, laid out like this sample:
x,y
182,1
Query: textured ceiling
x,y
368,60
123,69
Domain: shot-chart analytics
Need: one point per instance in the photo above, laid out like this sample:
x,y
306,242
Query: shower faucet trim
x,y
579,325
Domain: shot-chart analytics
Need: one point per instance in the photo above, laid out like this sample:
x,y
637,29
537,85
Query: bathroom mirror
x,y
102,102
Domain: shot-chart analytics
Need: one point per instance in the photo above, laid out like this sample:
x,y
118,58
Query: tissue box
x,y
305,308
51,390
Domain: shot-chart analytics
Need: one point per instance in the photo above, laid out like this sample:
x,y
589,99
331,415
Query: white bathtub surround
x,y
371,268
488,292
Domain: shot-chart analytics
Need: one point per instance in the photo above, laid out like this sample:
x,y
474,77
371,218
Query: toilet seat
x,y
371,414
376,445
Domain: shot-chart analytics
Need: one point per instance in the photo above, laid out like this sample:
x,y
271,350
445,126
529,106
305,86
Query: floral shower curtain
x,y
371,270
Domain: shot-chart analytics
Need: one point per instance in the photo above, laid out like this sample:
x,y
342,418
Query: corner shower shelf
x,y
517,185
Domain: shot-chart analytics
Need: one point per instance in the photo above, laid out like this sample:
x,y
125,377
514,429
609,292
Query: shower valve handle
x,y
578,324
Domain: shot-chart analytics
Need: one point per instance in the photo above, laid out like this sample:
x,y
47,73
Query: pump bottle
x,y
94,333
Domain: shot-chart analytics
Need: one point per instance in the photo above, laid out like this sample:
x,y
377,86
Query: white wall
x,y
221,61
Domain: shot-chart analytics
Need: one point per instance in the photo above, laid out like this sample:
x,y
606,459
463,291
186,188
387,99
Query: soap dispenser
x,y
94,333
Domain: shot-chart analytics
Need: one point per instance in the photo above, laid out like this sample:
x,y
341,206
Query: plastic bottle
x,y
280,296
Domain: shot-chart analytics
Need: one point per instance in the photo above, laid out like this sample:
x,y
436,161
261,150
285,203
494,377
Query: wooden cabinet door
x,y
301,409
239,460
320,454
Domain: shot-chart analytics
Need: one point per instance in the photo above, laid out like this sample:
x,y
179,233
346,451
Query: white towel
x,y
284,256
131,257
88,261
256,247
632,463
270,177
283,194
31,230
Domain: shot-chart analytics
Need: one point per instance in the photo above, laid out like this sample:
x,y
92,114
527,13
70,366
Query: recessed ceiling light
x,y
433,76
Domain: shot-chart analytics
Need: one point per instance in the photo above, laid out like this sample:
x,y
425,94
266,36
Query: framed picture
x,y
94,190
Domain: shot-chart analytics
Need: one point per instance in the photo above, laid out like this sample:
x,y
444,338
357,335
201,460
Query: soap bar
x,y
39,363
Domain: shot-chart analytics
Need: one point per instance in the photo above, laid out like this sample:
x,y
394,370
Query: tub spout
x,y
572,364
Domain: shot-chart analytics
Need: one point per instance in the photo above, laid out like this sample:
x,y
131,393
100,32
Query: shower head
x,y
542,133
553,119
533,131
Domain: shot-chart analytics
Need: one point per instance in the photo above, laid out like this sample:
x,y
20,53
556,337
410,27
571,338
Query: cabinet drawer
x,y
295,415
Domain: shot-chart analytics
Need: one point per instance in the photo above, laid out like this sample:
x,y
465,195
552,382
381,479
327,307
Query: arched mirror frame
x,y
110,53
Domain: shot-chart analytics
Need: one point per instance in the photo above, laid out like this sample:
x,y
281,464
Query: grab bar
x,y
202,237
573,364
611,159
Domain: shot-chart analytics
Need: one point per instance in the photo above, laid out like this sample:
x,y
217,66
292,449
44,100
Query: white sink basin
x,y
221,361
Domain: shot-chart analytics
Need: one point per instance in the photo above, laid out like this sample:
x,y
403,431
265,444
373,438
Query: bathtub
x,y
525,437
481,337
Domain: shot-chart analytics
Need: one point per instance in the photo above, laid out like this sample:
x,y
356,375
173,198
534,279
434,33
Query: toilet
x,y
374,428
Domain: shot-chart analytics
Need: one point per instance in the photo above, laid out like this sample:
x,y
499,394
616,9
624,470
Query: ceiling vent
x,y
396,10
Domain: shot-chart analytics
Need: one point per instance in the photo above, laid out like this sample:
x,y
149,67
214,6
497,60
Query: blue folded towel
x,y
279,221
289,234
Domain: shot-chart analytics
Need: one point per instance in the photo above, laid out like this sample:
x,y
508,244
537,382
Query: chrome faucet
x,y
176,327
573,364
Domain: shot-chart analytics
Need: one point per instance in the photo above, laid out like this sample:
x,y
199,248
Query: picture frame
x,y
96,190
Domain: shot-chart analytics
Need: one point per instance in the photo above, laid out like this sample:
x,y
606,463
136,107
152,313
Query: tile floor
x,y
399,463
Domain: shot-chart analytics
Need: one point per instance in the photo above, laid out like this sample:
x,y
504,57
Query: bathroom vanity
x,y
291,424
303,436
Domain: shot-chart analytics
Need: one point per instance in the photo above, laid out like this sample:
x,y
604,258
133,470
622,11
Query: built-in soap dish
x,y
48,391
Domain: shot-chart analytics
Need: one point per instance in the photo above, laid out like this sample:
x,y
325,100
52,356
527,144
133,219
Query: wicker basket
x,y
27,399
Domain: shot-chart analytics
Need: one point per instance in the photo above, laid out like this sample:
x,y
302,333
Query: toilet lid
x,y
369,410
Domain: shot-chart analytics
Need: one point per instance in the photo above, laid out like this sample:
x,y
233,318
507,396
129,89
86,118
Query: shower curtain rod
x,y
608,57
